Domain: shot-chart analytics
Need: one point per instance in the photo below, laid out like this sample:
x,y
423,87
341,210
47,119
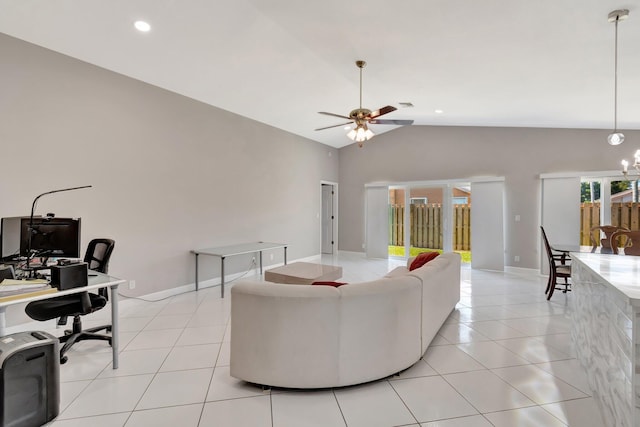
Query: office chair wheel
x,y
63,360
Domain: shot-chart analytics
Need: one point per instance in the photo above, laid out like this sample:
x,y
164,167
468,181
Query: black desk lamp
x,y
33,208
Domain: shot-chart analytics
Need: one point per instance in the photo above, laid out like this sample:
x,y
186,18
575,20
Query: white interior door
x,y
327,219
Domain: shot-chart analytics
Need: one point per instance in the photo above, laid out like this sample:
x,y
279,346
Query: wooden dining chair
x,y
559,268
604,243
630,242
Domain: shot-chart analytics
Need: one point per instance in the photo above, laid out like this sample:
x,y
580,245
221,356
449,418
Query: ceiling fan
x,y
362,117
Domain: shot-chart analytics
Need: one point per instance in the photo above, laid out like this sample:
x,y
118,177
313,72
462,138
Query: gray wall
x,y
169,174
417,153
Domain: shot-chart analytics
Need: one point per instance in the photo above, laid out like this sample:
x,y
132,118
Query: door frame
x,y
334,213
592,175
447,210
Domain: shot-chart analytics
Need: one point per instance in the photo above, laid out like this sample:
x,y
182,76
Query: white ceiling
x,y
545,63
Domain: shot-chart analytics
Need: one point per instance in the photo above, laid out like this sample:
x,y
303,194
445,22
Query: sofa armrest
x,y
285,335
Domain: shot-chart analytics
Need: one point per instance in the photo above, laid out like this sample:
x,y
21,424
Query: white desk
x,y
95,282
223,252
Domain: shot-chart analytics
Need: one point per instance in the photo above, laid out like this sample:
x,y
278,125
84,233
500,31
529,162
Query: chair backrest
x,y
546,245
608,231
98,254
631,244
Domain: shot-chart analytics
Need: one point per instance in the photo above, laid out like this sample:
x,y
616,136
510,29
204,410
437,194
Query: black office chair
x,y
97,258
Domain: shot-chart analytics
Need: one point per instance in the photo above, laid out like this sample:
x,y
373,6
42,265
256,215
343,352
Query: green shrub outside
x,y
399,252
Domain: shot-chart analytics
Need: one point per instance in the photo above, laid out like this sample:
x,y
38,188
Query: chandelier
x,y
635,165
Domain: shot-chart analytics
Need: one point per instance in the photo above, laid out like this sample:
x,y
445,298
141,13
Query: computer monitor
x,y
10,237
51,237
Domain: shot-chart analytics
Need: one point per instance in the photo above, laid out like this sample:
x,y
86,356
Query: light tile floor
x,y
503,358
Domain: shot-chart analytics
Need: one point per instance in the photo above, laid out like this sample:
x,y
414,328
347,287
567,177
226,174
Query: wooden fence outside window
x,y
625,215
426,226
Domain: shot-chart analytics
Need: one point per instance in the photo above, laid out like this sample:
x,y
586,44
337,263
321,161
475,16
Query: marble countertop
x,y
620,271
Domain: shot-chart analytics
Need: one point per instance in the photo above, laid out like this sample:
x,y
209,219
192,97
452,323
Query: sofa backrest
x,y
380,319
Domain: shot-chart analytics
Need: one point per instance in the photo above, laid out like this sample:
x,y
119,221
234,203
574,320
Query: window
x,y
419,200
460,200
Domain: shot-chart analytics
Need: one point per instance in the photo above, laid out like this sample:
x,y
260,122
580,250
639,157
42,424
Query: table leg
x,y
285,255
261,262
222,277
196,271
115,327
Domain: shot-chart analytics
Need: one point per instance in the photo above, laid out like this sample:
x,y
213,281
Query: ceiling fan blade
x,y
335,126
334,115
381,111
391,122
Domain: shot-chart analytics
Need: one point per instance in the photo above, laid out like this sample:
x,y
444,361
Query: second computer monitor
x,y
10,230
51,237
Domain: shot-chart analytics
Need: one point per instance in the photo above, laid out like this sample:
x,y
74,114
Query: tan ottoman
x,y
303,273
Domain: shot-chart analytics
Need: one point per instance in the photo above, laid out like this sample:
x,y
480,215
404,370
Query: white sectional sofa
x,y
321,336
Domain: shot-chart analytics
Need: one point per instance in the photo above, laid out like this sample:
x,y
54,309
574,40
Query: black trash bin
x,y
29,379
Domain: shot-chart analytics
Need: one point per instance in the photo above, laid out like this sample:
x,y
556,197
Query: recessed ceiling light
x,y
142,26
438,111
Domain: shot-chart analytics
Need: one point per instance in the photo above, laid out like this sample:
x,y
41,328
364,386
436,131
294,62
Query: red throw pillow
x,y
334,284
422,259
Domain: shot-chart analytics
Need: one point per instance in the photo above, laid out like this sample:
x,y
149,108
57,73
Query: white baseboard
x,y
214,282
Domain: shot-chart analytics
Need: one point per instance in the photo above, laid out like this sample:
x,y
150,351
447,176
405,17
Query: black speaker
x,y
69,276
29,379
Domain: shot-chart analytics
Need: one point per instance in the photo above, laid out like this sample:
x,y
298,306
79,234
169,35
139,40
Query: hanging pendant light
x,y
615,137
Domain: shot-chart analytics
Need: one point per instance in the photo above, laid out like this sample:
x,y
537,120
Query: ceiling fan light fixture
x,y
361,133
368,134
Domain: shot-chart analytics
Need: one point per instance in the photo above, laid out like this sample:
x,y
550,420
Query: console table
x,y
605,330
223,252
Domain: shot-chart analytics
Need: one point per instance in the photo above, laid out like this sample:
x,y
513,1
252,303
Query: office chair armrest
x,y
86,303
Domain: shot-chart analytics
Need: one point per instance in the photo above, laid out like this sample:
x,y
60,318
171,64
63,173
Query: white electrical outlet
x,y
516,258
253,260
132,284
271,257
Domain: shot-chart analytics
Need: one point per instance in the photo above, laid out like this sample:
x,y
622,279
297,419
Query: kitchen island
x,y
606,332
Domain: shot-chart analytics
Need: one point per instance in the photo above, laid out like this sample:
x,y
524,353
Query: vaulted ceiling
x,y
515,63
